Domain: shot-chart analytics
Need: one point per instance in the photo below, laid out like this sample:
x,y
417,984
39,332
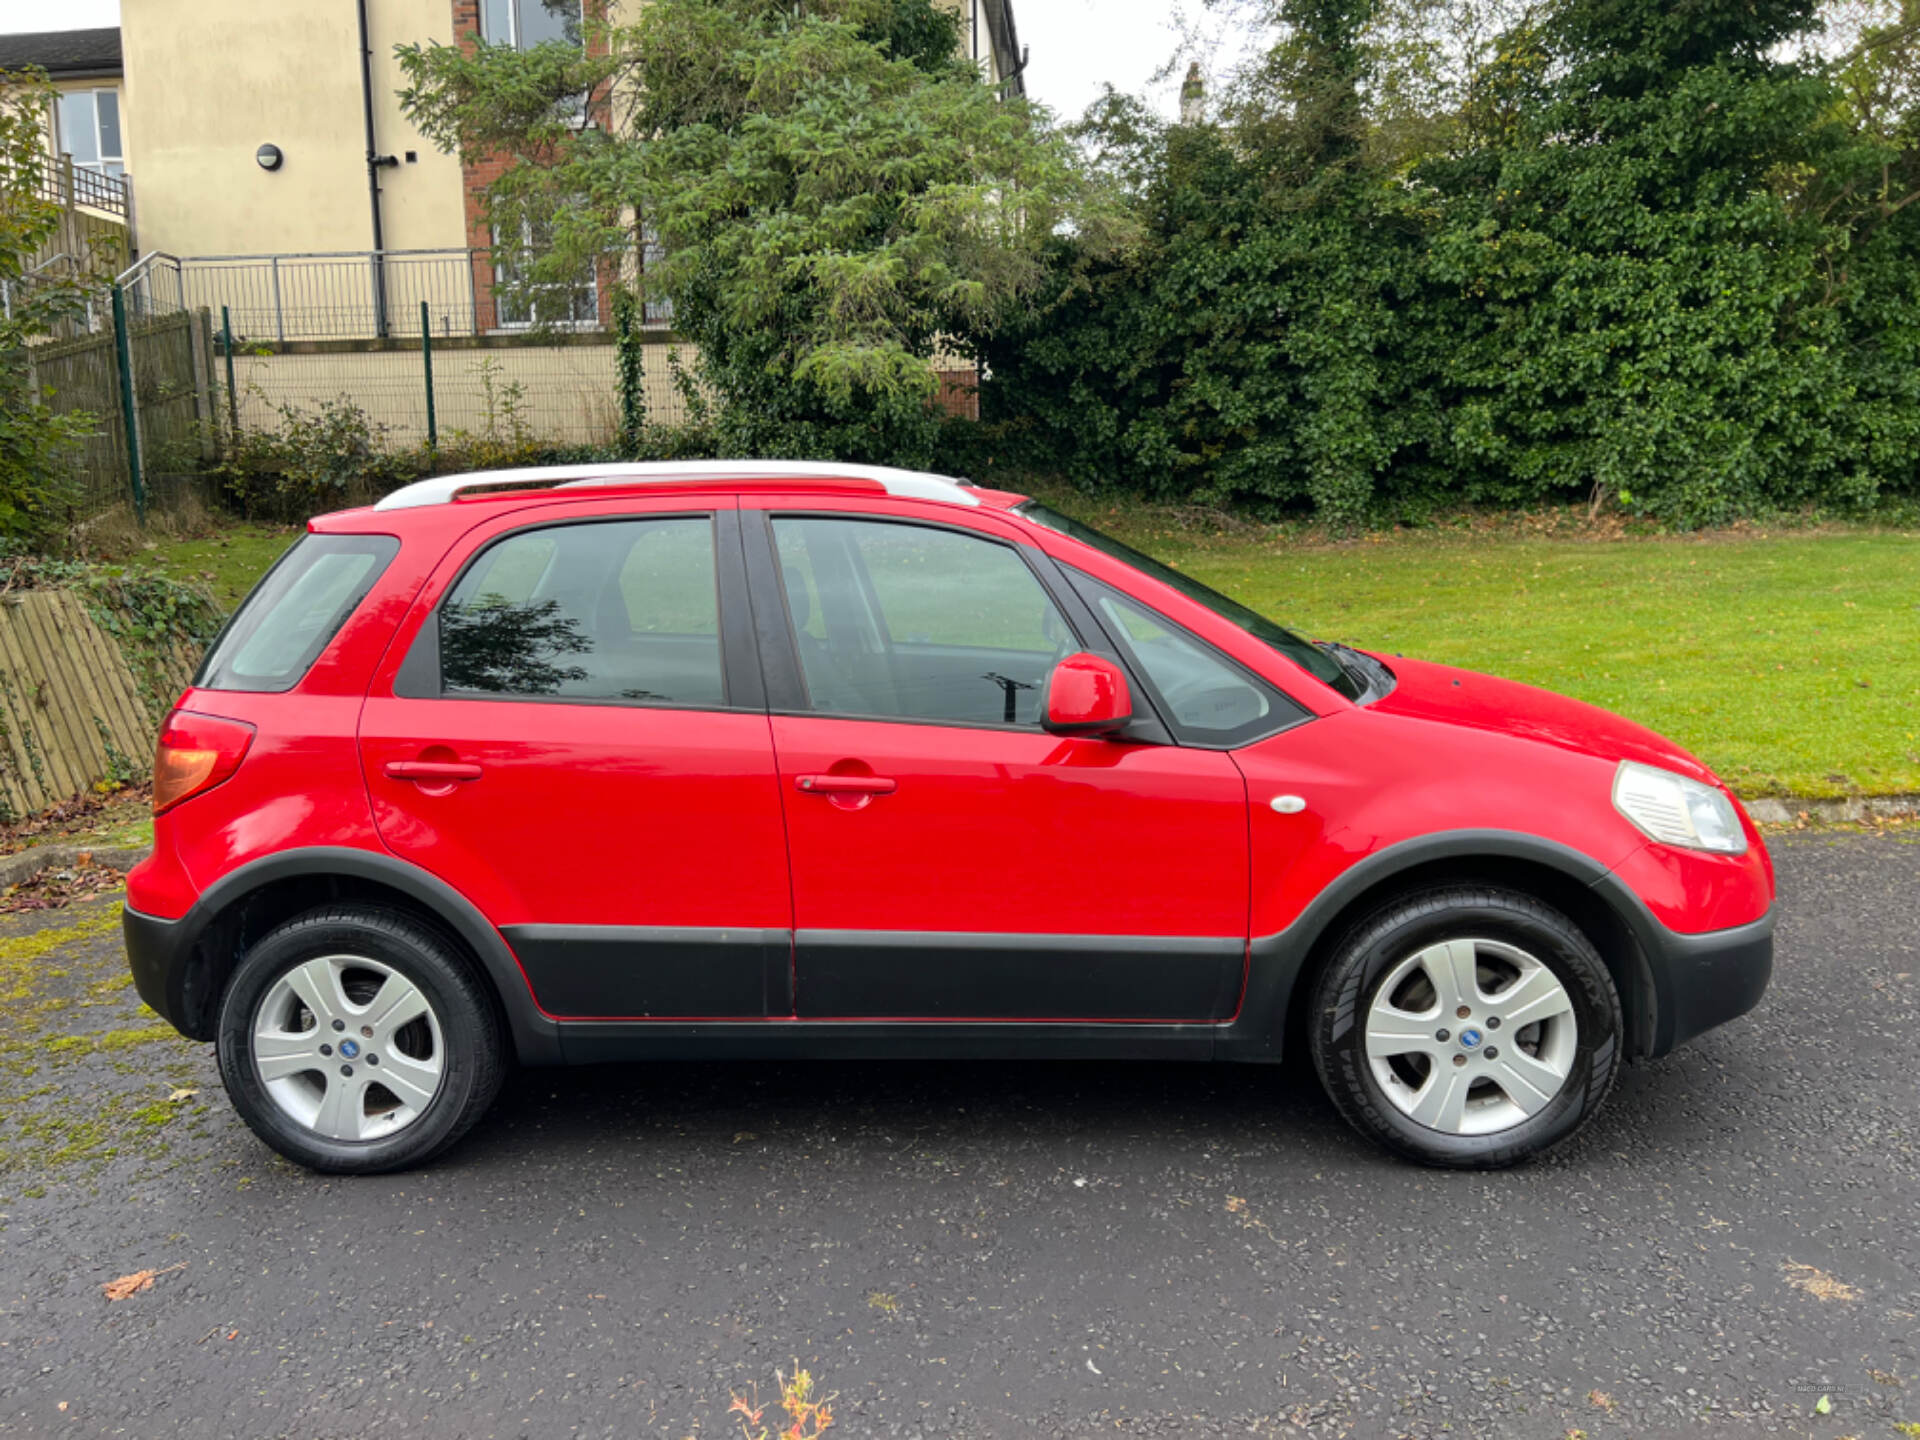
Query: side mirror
x,y
1087,695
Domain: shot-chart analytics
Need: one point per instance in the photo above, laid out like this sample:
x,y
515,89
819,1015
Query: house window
x,y
519,305
658,311
87,127
524,24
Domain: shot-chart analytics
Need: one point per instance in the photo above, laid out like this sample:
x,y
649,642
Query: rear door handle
x,y
431,771
844,785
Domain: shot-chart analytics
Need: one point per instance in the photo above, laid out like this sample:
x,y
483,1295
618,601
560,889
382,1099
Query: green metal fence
x,y
181,362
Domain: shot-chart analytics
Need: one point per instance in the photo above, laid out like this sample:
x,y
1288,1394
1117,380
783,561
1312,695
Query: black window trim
x,y
419,677
780,649
1087,587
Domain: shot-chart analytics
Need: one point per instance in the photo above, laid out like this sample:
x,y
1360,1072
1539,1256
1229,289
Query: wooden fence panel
x,y
71,712
82,374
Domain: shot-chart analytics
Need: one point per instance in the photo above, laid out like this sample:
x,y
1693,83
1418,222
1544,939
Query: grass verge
x,y
1789,661
227,559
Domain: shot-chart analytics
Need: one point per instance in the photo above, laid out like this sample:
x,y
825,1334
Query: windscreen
x,y
298,606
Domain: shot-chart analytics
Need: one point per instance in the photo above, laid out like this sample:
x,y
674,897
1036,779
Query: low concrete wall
x,y
563,391
550,390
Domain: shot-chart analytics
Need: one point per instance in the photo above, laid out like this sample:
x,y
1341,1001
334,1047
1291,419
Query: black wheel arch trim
x,y
160,951
1684,984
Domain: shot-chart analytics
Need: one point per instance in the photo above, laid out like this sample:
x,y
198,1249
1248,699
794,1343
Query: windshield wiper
x,y
1373,678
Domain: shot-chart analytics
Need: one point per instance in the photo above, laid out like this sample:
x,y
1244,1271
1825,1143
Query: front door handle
x,y
431,772
844,785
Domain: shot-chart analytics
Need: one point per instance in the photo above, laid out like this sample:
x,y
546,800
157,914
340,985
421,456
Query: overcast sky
x,y
1076,44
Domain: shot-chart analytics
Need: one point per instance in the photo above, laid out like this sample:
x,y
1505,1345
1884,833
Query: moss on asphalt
x,y
86,1070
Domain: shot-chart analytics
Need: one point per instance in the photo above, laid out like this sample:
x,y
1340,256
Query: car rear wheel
x,y
1468,1027
354,1040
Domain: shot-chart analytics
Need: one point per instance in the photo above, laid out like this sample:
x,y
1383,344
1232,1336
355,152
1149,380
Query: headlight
x,y
1677,811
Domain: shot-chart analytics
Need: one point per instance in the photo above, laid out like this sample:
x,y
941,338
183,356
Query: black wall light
x,y
268,157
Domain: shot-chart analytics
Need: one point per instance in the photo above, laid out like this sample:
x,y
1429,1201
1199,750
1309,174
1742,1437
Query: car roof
x,y
714,474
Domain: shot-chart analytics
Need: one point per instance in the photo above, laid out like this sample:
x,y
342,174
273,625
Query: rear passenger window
x,y
276,635
613,610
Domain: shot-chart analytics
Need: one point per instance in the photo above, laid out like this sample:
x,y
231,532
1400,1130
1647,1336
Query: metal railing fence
x,y
352,295
322,296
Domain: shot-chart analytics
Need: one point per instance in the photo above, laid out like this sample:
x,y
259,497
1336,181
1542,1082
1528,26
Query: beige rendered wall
x,y
209,81
976,46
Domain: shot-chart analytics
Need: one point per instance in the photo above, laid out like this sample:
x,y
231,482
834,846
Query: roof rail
x,y
907,484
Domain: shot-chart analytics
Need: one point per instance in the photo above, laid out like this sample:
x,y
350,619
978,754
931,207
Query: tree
x,y
1661,253
1256,348
35,443
835,193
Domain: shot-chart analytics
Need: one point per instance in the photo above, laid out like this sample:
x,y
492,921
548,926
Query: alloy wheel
x,y
348,1047
1470,1037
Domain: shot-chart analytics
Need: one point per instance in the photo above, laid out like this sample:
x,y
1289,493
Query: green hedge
x,y
1648,262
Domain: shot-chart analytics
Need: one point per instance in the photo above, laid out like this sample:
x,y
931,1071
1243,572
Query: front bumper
x,y
1700,981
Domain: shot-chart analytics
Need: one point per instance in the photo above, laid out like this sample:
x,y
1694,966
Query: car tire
x,y
1397,985
306,1015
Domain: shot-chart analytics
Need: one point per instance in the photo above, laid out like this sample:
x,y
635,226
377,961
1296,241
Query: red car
x,y
763,759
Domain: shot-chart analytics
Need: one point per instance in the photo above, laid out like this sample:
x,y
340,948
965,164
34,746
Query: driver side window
x,y
903,621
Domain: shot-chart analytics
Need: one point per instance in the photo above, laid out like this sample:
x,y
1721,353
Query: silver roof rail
x,y
907,484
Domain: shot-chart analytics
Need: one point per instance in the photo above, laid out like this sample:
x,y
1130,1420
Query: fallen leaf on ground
x,y
1818,1283
136,1282
181,1094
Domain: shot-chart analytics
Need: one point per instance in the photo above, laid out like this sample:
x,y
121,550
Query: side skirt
x,y
592,1042
1256,1034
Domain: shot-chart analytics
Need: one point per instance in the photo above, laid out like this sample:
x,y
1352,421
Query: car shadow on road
x,y
971,1102
695,1106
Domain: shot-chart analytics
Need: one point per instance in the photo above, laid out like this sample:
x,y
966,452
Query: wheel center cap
x,y
351,1048
1469,1039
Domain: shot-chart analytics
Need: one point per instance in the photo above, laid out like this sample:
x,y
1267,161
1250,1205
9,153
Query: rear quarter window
x,y
296,609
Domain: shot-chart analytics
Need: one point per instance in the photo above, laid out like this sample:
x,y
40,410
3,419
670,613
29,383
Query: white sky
x,y
17,16
1076,44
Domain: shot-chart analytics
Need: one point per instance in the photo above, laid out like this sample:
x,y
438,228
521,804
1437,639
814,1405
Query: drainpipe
x,y
374,161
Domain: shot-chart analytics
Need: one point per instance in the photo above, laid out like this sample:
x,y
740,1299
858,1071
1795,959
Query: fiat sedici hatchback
x,y
766,760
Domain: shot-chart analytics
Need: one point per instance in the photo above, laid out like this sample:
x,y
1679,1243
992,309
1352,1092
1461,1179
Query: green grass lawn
x,y
1790,662
227,561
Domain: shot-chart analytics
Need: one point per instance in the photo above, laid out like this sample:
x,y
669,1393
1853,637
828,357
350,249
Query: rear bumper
x,y
157,955
1700,981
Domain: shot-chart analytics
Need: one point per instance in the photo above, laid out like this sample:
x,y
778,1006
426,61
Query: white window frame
x,y
100,164
513,23
574,114
503,295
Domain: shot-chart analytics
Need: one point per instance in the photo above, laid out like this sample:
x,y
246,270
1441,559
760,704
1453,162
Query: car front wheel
x,y
354,1040
1469,1027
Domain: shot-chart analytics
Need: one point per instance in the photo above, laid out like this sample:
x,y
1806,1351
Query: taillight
x,y
195,753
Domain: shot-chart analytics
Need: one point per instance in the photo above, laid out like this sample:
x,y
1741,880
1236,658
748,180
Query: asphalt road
x,y
984,1250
